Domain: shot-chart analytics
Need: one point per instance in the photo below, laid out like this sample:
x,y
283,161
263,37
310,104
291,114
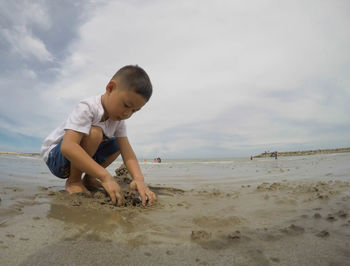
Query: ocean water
x,y
189,173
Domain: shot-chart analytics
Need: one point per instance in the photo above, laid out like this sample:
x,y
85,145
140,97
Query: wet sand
x,y
273,218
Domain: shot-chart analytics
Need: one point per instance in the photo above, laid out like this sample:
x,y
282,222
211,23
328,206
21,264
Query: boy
x,y
94,135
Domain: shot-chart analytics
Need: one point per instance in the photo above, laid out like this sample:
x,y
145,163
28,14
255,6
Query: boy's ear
x,y
111,86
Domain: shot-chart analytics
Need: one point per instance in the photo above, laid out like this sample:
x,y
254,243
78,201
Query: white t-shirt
x,y
87,113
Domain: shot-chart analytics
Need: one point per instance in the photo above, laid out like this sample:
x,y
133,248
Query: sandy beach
x,y
290,211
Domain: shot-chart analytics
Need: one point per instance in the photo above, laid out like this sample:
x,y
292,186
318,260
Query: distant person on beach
x,y
94,135
157,160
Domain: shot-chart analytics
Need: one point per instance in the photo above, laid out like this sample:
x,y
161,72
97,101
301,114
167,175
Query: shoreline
x,y
301,153
20,153
261,155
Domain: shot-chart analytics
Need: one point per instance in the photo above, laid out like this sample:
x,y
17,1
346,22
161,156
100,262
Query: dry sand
x,y
300,222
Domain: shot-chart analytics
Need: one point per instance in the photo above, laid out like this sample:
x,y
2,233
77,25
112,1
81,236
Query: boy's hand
x,y
144,192
113,190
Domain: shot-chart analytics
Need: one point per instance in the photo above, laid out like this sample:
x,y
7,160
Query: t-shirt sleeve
x,y
120,130
80,119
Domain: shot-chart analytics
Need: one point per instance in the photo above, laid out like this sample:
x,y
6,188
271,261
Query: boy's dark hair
x,y
136,79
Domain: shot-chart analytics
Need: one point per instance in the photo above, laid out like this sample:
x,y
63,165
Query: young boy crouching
x,y
94,135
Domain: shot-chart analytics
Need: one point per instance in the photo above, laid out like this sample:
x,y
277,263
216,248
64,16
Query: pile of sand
x,y
122,175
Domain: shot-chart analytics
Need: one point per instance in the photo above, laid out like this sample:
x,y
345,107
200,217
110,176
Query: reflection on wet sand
x,y
90,220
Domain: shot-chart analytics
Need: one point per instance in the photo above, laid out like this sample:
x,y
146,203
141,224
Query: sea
x,y
194,173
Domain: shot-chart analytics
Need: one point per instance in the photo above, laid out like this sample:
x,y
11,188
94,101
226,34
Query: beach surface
x,y
290,211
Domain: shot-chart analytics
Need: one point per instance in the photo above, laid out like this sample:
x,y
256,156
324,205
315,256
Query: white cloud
x,y
21,16
25,45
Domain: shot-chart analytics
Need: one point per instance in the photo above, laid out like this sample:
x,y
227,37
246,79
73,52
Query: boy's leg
x,y
110,159
92,182
90,144
74,183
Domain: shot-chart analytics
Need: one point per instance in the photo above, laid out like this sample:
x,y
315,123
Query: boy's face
x,y
121,104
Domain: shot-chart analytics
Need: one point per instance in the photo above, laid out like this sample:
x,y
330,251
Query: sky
x,y
230,78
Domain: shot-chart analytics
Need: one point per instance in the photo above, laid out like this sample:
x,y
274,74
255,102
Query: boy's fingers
x,y
132,187
112,195
151,197
154,197
119,199
150,201
143,199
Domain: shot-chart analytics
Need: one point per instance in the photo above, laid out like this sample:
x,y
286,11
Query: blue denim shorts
x,y
60,166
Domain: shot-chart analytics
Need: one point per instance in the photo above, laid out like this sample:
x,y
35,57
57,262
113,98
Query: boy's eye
x,y
127,106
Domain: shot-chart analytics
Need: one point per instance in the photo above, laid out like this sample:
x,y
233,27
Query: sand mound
x,y
122,175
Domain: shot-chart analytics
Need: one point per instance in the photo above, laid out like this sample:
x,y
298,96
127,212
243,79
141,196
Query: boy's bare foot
x,y
76,187
91,183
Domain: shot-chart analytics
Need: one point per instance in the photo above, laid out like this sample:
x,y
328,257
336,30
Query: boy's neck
x,y
105,115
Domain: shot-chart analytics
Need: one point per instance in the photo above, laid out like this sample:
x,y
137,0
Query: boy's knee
x,y
91,142
96,133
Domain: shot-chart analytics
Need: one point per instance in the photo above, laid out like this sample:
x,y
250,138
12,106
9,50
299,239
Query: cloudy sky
x,y
231,78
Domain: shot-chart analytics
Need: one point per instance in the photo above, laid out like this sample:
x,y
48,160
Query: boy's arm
x,y
133,167
72,150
